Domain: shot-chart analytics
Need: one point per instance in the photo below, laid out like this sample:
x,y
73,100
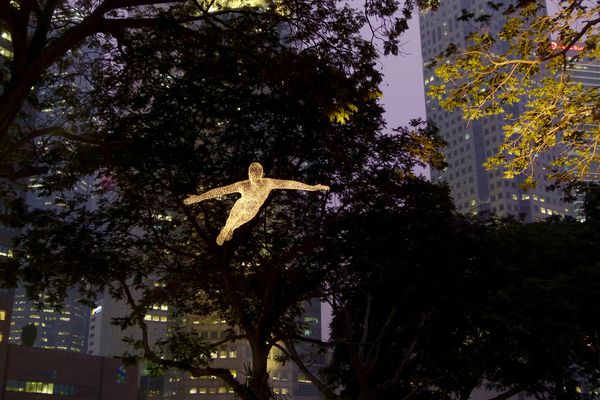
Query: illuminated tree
x,y
531,60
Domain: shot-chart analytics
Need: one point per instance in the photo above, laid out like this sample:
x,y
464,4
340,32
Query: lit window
x,y
147,317
193,391
223,354
163,319
164,307
515,197
233,373
543,210
233,354
2,315
222,389
202,391
155,318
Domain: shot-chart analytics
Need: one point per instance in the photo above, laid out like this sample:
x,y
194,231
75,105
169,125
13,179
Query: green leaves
x,y
521,66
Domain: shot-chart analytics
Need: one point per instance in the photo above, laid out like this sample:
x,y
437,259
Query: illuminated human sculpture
x,y
254,192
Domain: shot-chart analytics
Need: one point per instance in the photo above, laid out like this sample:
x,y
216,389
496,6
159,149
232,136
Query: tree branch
x,y
508,394
57,132
573,41
149,354
290,351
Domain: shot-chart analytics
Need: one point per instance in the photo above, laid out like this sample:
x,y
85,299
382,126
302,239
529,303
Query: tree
x,y
196,111
28,335
52,44
444,304
531,60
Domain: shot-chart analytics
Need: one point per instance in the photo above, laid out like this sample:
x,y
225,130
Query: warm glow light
x,y
254,192
574,47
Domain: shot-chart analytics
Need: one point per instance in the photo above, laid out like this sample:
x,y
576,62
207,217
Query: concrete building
x,y
29,372
106,339
473,188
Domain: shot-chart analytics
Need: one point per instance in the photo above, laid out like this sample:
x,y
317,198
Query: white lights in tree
x,y
254,191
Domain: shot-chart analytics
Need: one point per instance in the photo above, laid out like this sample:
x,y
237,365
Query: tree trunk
x,y
259,381
11,102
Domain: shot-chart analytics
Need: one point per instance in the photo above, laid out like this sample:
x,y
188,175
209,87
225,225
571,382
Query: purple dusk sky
x,y
403,76
403,99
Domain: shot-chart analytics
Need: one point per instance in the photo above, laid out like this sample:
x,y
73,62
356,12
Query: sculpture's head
x,y
255,171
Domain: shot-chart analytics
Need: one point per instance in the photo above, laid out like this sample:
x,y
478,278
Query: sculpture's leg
x,y
223,236
241,212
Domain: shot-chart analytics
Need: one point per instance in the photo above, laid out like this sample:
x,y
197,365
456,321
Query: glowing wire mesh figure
x,y
254,192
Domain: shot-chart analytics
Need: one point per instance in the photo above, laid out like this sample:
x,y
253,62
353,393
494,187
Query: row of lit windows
x,y
211,390
13,385
200,321
155,318
210,377
224,354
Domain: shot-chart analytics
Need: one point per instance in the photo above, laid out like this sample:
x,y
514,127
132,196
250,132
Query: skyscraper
x,y
473,188
64,329
586,72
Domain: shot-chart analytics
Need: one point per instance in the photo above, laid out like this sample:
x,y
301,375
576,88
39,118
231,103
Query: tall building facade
x,y
586,72
473,188
64,329
286,378
106,339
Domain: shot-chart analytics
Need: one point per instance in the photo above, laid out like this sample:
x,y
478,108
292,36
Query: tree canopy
x,y
48,47
539,60
443,304
191,112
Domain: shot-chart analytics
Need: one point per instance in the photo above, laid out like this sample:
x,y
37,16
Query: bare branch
x,y
290,351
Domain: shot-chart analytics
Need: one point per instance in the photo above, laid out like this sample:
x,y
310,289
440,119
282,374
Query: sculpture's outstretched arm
x,y
211,194
286,184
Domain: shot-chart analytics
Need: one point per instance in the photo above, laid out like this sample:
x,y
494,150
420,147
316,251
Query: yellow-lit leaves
x,y
341,114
